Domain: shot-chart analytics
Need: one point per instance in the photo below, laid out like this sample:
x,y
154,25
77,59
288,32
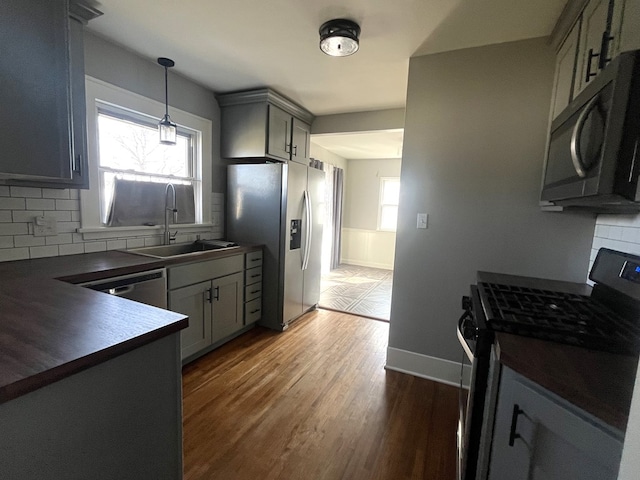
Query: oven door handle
x,y
460,333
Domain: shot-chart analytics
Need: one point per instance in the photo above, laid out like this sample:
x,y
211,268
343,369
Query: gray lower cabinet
x,y
193,301
212,294
539,436
253,287
43,138
227,300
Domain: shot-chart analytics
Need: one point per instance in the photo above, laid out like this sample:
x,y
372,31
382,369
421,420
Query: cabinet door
x,y
626,16
539,436
79,163
594,24
35,138
193,301
301,142
279,133
227,302
565,72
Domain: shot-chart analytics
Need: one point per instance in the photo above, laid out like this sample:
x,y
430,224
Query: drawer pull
x,y
254,311
254,291
255,259
256,275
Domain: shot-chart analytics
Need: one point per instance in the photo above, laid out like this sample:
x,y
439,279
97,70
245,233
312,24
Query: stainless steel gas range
x,y
605,318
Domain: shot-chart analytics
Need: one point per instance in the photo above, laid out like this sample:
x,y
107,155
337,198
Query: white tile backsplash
x,y
19,206
618,232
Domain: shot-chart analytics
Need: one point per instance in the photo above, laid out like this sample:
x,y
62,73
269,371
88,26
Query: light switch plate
x,y
423,220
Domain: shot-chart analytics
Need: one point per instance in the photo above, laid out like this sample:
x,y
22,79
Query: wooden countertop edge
x,y
45,268
54,374
613,410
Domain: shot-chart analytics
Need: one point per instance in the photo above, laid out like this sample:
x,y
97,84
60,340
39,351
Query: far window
x,y
388,204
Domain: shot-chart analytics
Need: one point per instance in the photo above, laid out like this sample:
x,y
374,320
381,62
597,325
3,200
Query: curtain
x,y
143,203
336,244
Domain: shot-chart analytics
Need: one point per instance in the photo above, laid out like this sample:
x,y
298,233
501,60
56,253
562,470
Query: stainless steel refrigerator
x,y
279,205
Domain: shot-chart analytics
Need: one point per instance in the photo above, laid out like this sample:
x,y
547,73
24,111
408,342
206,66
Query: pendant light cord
x,y
166,91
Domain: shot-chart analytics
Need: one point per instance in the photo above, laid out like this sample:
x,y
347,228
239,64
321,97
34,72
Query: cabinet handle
x,y
254,311
590,74
256,275
603,58
209,295
514,424
255,259
216,295
295,150
77,164
254,291
287,148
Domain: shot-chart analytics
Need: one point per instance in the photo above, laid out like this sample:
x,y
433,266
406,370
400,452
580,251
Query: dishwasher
x,y
148,287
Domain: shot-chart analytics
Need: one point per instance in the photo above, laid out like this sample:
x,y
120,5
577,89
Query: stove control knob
x,y
466,303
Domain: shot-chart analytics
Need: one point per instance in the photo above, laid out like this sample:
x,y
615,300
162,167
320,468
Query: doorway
x,y
359,250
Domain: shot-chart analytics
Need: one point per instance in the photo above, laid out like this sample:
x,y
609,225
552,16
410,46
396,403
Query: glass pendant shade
x,y
168,131
166,128
339,38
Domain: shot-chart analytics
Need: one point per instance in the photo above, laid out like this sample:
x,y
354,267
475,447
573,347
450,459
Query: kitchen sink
x,y
179,249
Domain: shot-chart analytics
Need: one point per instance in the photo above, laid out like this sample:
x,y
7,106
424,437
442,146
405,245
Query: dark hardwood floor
x,y
315,403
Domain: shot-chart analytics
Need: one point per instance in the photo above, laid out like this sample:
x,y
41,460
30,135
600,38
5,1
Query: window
x,y
123,144
388,204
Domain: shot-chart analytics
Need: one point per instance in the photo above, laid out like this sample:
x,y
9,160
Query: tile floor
x,y
361,290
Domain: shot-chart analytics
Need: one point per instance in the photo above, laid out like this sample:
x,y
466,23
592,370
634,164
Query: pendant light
x,y
167,129
339,37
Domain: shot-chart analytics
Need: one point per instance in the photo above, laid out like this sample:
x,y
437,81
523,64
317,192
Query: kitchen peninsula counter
x,y
51,329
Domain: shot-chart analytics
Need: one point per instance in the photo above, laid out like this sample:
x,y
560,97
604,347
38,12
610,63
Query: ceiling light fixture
x,y
339,37
167,129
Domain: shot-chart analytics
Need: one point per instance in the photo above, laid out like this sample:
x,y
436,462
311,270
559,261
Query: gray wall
x,y
359,121
363,189
125,69
475,132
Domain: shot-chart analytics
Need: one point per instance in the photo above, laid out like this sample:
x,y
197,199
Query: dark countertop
x,y
50,329
600,383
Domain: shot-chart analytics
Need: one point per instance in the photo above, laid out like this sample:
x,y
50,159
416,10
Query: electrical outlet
x,y
423,220
43,226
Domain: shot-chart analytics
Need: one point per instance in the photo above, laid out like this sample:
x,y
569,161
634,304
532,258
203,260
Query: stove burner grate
x,y
557,316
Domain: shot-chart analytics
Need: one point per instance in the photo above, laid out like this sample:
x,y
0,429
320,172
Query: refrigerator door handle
x,y
309,219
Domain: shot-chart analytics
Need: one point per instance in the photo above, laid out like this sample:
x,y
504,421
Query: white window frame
x,y
101,95
380,204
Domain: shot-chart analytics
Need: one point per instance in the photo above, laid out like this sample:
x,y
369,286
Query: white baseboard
x,y
349,261
424,366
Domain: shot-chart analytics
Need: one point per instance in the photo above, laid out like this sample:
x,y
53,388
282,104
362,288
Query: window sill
x,y
102,233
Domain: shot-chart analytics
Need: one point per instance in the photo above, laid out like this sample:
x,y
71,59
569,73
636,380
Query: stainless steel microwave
x,y
592,160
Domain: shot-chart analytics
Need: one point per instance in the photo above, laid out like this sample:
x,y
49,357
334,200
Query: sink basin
x,y
179,249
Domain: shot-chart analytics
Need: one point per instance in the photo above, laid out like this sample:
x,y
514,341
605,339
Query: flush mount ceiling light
x,y
339,37
167,129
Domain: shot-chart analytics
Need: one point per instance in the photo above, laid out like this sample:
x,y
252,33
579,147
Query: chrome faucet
x,y
168,238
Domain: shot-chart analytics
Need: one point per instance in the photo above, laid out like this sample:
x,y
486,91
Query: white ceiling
x,y
230,45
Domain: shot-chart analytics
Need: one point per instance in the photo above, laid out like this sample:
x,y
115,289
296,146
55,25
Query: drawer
x,y
191,273
252,291
254,259
253,275
252,311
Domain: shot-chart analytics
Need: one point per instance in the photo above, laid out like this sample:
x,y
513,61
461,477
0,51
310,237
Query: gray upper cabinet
x,y
43,138
261,124
588,35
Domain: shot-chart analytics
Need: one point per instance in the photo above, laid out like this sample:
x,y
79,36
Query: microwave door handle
x,y
576,155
